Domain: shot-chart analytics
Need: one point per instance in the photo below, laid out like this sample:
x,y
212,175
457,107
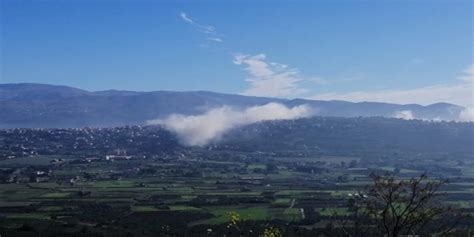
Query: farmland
x,y
191,191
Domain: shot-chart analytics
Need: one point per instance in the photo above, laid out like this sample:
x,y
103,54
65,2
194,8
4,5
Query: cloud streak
x,y
460,93
270,78
219,40
273,79
208,30
468,74
200,130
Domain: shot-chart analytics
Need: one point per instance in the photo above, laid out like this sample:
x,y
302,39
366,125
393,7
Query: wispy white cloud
x,y
186,18
468,74
270,78
199,130
460,93
215,39
278,80
206,29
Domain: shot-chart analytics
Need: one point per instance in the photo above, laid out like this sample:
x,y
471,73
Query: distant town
x,y
141,179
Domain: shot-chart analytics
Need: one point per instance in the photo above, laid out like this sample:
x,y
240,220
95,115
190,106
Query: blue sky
x,y
393,51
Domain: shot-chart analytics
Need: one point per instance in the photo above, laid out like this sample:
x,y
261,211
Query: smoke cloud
x,y
199,130
467,115
404,114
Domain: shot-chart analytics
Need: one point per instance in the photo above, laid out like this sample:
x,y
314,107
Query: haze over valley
x,y
144,118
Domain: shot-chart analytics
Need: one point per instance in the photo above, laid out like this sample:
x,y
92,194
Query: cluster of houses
x,y
23,175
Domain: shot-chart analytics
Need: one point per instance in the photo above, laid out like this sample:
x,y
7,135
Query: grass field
x,y
246,213
186,193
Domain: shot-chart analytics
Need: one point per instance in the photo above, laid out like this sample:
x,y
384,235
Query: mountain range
x,y
31,105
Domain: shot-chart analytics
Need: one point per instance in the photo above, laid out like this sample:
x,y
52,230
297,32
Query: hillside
x,y
38,105
353,136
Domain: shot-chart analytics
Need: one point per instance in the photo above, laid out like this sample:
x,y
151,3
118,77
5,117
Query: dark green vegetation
x,y
294,175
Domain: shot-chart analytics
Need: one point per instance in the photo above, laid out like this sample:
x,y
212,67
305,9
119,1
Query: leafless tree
x,y
391,208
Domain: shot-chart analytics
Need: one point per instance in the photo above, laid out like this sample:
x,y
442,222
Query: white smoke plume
x,y
199,130
404,114
467,115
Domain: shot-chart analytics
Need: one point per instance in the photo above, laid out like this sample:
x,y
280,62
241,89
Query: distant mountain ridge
x,y
41,105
